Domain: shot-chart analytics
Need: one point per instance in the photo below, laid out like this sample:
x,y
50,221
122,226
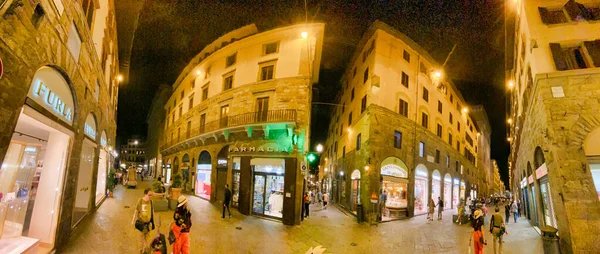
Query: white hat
x,y
182,200
478,213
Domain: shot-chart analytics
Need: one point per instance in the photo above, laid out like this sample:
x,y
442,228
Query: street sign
x,y
303,167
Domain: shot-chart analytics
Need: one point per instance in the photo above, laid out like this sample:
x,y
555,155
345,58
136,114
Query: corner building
x,y
402,129
239,114
58,106
554,118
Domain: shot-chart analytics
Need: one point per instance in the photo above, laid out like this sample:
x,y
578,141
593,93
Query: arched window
x,y
538,157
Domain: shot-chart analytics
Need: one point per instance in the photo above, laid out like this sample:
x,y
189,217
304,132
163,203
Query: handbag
x,y
172,237
140,225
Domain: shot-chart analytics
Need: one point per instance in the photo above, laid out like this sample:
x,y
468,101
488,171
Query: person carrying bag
x,y
143,217
497,229
180,228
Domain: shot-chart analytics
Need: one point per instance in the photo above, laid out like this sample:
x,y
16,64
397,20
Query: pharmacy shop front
x,y
264,181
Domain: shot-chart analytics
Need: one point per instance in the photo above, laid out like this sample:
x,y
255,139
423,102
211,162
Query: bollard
x,y
550,240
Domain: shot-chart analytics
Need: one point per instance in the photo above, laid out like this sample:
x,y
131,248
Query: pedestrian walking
x,y
507,212
431,207
226,201
484,209
515,210
497,229
306,204
440,206
143,218
383,201
519,208
181,227
320,197
468,207
325,200
478,238
461,212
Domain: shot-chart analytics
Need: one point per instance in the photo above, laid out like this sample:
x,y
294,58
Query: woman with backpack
x,y
180,228
478,239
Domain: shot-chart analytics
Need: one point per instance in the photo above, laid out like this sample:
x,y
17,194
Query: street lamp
x,y
319,148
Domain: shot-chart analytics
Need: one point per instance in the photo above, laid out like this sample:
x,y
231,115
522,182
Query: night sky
x,y
170,33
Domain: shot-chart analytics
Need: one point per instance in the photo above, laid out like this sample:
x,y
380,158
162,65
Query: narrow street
x,y
109,230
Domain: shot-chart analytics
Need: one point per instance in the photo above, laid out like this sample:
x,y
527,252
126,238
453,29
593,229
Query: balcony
x,y
247,122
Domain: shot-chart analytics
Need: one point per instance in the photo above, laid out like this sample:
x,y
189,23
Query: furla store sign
x,y
50,90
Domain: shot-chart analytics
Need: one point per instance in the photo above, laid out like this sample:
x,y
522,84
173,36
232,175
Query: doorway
x,y
268,187
84,181
268,195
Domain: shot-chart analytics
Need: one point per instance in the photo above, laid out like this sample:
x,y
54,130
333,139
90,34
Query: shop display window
x,y
203,185
31,180
396,199
235,192
421,191
595,169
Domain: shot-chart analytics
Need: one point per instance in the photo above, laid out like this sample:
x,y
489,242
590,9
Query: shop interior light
x,y
326,169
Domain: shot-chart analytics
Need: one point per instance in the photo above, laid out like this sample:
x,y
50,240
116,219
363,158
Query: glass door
x,y
258,204
262,107
224,116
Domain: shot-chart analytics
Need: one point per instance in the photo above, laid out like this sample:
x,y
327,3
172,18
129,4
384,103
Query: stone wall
x,y
382,123
26,47
559,126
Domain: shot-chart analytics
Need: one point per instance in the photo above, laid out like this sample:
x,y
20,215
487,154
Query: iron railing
x,y
267,116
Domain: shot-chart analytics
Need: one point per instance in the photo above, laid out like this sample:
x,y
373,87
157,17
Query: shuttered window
x,y
403,108
571,58
593,48
550,17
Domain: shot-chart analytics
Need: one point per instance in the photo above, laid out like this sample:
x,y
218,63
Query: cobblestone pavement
x,y
109,230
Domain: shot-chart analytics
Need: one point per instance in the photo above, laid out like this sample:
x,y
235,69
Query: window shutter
x,y
574,10
546,19
593,48
559,57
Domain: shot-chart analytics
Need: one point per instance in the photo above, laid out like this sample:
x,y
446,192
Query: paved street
x,y
109,231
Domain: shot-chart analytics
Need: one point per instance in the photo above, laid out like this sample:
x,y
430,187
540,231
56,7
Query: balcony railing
x,y
267,116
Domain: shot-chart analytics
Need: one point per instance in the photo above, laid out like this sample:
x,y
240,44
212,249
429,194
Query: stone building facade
x,y
239,115
58,105
554,118
156,125
402,134
134,154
